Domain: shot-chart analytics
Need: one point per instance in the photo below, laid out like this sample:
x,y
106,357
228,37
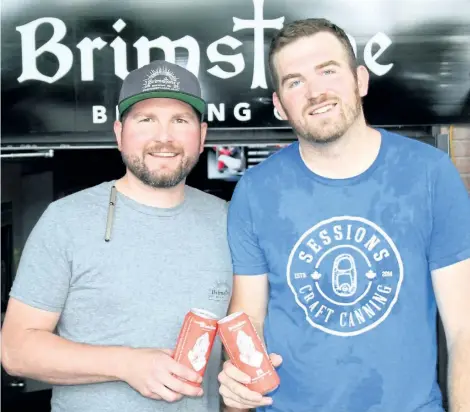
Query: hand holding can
x,y
195,340
247,352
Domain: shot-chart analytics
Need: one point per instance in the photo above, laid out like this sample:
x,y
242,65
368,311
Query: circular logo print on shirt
x,y
346,274
220,292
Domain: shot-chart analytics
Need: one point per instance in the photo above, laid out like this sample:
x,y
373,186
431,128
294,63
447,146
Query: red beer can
x,y
247,352
195,341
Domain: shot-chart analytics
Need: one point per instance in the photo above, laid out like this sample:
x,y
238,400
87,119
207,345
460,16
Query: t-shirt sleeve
x,y
43,277
247,256
450,236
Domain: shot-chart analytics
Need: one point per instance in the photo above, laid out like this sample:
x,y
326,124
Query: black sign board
x,y
63,62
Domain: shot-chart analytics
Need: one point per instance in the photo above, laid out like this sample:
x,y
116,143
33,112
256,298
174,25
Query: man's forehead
x,y
309,50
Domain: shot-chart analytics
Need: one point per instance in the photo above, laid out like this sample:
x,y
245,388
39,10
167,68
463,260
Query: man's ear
x,y
118,133
203,136
362,80
278,106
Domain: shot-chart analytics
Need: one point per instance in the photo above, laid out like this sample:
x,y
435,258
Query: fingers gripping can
x,y
247,352
195,340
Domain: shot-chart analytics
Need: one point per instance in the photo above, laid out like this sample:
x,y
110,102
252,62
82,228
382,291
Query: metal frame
x,y
49,153
217,136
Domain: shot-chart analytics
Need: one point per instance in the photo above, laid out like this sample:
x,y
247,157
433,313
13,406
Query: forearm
x,y
459,375
259,327
257,319
49,358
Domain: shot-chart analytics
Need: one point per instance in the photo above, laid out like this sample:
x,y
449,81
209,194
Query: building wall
x,y
460,151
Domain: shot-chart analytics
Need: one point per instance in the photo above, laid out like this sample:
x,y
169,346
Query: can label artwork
x,y
247,352
195,341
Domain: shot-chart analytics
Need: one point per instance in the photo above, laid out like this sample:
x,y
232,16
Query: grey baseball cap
x,y
161,79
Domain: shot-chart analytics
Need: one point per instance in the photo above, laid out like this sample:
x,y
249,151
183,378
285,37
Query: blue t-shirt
x,y
351,305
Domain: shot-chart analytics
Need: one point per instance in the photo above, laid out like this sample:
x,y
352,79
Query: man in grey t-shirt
x,y
114,269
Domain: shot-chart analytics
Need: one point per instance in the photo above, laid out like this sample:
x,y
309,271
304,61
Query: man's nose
x,y
314,91
162,134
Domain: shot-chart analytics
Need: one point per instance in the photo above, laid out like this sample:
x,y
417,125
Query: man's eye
x,y
145,120
294,83
180,120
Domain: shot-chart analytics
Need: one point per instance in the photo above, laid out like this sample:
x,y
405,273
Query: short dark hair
x,y
126,113
305,28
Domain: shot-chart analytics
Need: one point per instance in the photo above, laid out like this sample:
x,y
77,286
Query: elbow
x,y
11,361
9,365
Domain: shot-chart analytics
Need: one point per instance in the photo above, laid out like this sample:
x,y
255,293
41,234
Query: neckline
x,y
146,209
349,180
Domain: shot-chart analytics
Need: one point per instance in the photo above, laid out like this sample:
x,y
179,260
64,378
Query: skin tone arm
x,y
452,290
250,295
31,349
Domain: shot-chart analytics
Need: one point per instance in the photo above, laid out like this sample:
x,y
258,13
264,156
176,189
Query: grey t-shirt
x,y
131,291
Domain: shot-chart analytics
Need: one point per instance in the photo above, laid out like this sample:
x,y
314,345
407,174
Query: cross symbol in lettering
x,y
258,24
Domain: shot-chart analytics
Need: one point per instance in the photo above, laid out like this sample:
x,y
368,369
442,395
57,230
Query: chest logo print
x,y
346,274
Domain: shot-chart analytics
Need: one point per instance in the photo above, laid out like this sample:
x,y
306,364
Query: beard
x,y
328,130
159,179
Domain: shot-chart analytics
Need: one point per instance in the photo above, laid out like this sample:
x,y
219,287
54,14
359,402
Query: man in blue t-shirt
x,y
344,245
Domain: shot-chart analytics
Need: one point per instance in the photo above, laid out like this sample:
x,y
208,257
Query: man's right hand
x,y
154,374
233,390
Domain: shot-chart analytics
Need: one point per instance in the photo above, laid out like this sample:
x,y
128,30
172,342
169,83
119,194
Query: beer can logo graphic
x,y
198,354
195,340
247,352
